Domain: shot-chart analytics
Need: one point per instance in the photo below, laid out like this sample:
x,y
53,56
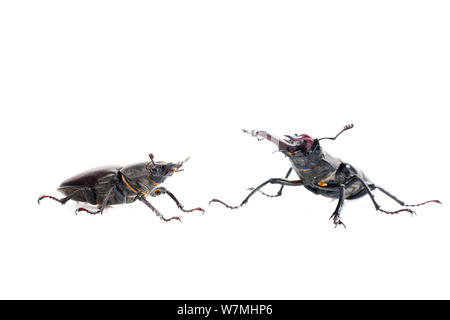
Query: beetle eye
x,y
154,169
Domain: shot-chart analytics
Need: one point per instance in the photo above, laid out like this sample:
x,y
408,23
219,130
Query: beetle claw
x,y
337,220
199,209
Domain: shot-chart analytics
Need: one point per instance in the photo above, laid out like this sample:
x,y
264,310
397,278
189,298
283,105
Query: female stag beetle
x,y
117,185
321,174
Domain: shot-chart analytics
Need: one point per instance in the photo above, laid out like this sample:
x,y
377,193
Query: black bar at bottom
x,y
225,309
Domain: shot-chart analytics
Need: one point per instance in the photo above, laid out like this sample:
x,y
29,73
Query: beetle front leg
x,y
272,181
103,205
158,214
280,192
162,190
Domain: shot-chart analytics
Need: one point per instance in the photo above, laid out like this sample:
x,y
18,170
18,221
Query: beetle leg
x,y
158,214
279,191
337,212
180,206
401,202
161,190
87,210
102,207
372,197
62,200
272,181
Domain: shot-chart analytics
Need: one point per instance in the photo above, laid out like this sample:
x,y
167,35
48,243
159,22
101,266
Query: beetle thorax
x,y
138,178
306,160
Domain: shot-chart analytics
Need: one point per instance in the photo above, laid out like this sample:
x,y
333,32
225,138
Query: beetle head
x,y
161,169
296,143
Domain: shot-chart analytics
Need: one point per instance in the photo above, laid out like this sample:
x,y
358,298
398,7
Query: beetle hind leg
x,y
372,197
62,200
397,211
51,197
99,211
390,195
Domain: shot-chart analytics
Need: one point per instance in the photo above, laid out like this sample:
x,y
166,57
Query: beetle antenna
x,y
151,156
347,127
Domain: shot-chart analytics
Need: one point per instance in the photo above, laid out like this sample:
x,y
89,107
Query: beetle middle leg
x,y
280,192
272,181
161,190
103,205
158,214
338,189
337,212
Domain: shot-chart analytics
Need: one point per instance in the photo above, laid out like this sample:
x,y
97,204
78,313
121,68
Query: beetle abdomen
x,y
93,184
90,177
84,194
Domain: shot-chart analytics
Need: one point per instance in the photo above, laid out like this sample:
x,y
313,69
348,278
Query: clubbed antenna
x,y
151,156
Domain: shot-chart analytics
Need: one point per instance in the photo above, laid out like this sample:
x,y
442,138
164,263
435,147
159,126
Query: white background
x,y
91,83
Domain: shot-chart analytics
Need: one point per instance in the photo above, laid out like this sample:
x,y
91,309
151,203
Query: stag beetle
x,y
321,174
117,185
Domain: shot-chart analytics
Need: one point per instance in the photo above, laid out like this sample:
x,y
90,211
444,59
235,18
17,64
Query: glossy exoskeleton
x,y
118,185
321,174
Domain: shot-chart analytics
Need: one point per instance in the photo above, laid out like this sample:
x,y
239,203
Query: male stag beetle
x,y
321,174
117,185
